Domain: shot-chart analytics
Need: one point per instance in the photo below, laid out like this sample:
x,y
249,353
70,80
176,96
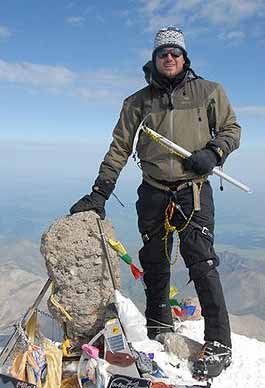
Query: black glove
x,y
202,162
94,201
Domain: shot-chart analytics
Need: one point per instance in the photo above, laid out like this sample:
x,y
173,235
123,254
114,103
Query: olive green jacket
x,y
184,116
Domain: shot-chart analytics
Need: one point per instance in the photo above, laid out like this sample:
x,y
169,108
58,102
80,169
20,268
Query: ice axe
x,y
175,148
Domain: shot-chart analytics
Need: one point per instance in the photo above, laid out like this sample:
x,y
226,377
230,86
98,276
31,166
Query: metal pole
x,y
182,151
15,336
106,250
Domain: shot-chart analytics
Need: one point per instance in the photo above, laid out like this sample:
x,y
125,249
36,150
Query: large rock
x,y
76,261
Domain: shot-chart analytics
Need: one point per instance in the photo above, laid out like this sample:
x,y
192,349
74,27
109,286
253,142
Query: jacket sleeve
x,y
120,148
227,129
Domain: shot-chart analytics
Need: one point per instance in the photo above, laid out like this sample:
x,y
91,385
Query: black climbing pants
x,y
198,253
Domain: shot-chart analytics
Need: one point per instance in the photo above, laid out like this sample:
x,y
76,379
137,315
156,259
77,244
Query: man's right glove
x,y
94,201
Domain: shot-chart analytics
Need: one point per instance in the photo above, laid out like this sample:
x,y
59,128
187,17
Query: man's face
x,y
169,61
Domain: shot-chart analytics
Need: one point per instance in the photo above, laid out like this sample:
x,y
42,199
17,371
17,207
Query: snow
x,y
246,371
248,366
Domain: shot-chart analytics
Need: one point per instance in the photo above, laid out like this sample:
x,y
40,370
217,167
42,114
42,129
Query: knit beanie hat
x,y
169,36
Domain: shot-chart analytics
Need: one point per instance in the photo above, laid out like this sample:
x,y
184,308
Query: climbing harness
x,y
169,228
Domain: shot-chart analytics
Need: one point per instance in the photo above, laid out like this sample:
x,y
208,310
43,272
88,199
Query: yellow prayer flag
x,y
117,246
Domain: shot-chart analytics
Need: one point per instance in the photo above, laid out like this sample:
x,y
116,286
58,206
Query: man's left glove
x,y
94,201
202,162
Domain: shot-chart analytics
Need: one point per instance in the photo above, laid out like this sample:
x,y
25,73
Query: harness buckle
x,y
145,238
205,230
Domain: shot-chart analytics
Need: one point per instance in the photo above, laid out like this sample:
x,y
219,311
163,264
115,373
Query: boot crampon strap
x,y
211,361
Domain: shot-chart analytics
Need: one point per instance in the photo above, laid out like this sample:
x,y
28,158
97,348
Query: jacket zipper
x,y
199,121
171,156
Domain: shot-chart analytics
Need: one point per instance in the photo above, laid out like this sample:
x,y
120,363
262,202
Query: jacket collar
x,y
153,77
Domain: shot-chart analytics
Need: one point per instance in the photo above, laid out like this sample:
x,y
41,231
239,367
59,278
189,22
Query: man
x,y
195,114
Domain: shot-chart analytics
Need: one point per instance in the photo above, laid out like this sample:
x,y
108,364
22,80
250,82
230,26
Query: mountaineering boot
x,y
212,359
154,328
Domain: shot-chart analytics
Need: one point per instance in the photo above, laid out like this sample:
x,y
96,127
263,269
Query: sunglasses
x,y
175,52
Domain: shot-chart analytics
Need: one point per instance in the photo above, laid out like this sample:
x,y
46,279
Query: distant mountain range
x,y
244,284
22,275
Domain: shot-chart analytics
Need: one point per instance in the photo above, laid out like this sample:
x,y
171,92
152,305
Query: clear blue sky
x,y
66,65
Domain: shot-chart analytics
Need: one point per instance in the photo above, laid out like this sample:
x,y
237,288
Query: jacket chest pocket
x,y
202,125
191,130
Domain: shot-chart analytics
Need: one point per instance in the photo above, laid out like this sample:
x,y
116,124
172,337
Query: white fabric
x,y
133,322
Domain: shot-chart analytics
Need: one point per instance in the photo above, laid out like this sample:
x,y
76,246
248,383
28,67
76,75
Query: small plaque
x,y
120,381
10,382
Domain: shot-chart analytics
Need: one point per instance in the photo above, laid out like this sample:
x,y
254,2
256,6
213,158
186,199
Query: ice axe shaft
x,y
106,251
182,151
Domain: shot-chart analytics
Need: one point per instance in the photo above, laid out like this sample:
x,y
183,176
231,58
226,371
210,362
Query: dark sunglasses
x,y
175,52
